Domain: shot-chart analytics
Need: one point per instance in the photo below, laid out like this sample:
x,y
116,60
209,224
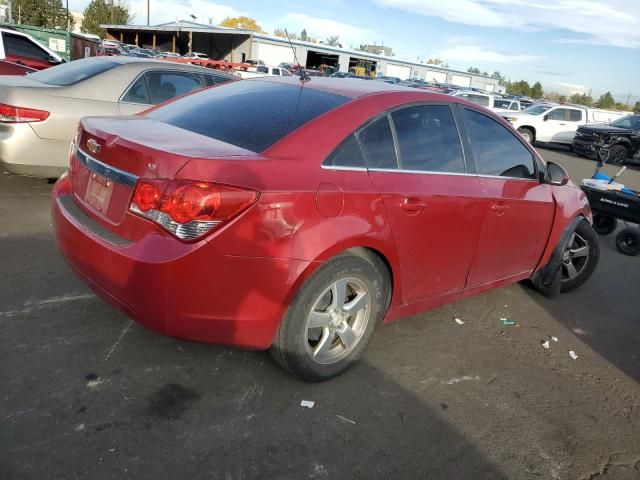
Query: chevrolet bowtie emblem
x,y
93,146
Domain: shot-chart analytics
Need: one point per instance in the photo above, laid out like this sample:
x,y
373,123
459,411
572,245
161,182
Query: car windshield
x,y
72,72
537,109
630,121
249,114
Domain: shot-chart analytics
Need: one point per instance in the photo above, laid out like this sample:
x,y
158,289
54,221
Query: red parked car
x,y
297,217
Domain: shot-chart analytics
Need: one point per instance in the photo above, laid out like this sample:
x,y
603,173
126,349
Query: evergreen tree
x,y
40,13
98,12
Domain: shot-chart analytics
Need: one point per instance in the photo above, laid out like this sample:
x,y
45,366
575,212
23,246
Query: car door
x,y
519,209
24,51
556,125
574,117
434,203
157,86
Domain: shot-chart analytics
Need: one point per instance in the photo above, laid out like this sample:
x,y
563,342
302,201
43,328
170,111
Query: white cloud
x,y
610,22
322,28
571,88
477,53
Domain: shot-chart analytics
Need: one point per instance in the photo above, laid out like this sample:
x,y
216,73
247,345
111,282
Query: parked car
x,y
10,68
621,137
41,110
266,215
22,49
557,123
142,53
497,103
388,79
196,56
168,55
108,50
263,70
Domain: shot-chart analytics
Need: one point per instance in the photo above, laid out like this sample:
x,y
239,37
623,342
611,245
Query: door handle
x,y
410,204
499,208
562,124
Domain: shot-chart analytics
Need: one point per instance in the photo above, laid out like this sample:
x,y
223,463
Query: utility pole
x,y
10,11
68,23
148,12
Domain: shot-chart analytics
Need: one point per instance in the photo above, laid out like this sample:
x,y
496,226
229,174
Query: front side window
x,y
514,106
377,142
428,139
496,150
501,103
557,114
19,46
347,154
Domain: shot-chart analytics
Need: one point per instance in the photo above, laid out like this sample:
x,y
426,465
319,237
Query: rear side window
x,y
501,103
575,115
262,69
496,150
428,139
137,93
251,114
19,46
163,86
377,142
347,154
477,99
73,72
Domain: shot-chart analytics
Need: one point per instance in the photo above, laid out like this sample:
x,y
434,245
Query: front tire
x,y
628,241
527,133
580,257
617,155
333,316
604,224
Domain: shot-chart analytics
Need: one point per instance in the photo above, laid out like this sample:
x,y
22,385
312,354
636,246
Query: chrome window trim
x,y
349,169
388,170
107,171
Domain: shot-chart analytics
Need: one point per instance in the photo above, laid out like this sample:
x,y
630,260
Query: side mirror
x,y
546,117
556,175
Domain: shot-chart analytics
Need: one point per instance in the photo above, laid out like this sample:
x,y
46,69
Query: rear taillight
x,y
188,208
12,114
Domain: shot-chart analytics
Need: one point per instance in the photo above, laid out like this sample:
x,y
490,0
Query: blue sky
x,y
568,45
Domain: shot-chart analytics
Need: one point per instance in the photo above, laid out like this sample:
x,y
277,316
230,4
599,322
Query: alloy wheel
x,y
575,257
337,320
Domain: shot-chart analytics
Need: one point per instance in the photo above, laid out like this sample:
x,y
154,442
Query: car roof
x,y
347,87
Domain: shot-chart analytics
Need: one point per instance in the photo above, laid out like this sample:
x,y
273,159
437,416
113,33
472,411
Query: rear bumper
x,y
178,289
24,153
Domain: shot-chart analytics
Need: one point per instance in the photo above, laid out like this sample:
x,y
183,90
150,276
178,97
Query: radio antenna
x,y
303,75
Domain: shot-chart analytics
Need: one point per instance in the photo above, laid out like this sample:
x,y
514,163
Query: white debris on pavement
x,y
307,403
573,355
545,344
458,321
555,339
464,378
345,419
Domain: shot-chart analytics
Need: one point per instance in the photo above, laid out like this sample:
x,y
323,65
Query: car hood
x,y
603,128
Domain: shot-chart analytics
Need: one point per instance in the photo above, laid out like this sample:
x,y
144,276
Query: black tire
x,y
628,241
527,133
294,348
584,233
617,155
604,224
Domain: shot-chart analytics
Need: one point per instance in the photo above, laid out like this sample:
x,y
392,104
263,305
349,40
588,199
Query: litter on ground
x,y
345,419
307,403
458,321
555,339
505,321
545,344
573,355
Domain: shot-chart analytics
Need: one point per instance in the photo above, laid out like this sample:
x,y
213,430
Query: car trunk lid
x,y
111,154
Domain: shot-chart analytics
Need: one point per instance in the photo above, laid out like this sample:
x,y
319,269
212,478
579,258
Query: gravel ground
x,y
89,394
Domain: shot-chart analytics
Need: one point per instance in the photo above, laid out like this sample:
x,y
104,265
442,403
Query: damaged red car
x,y
299,216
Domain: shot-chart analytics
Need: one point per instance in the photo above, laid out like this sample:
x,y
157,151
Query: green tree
x,y
333,41
520,87
303,35
636,107
473,70
606,100
280,32
562,99
41,13
437,62
243,23
99,12
536,90
581,99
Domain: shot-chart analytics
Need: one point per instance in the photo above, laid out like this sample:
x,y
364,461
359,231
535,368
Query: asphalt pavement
x,y
88,394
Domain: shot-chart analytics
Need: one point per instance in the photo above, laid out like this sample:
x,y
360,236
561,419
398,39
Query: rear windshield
x,y
72,72
249,114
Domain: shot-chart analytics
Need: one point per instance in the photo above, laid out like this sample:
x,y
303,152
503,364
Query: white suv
x,y
556,123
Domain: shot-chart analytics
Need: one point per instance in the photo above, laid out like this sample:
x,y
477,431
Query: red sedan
x,y
298,216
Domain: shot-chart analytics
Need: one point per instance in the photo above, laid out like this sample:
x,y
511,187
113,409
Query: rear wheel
x,y
527,133
604,224
617,154
580,257
628,241
332,318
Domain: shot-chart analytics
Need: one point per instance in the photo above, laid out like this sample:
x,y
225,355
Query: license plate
x,y
98,193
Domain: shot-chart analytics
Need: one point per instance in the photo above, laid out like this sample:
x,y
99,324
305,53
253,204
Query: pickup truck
x,y
556,123
262,71
621,138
